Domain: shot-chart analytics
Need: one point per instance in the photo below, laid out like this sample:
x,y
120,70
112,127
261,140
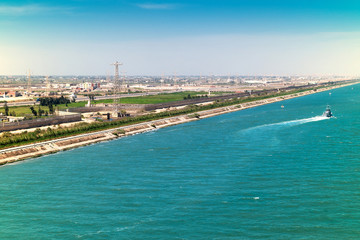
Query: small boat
x,y
327,112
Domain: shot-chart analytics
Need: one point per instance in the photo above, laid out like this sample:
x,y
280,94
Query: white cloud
x,y
28,9
155,6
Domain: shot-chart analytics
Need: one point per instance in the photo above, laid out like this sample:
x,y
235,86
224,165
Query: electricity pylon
x,y
116,87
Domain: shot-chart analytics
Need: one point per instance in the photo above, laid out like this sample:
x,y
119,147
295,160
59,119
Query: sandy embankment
x,y
38,149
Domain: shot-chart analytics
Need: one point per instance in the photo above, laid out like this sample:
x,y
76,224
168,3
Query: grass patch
x,y
9,140
21,111
160,98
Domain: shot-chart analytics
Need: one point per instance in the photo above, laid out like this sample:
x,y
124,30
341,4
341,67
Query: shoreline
x,y
20,153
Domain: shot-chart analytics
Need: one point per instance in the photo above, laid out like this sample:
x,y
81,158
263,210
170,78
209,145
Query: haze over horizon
x,y
246,37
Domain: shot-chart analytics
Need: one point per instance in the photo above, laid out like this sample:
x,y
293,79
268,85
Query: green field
x,y
41,135
21,110
150,99
160,98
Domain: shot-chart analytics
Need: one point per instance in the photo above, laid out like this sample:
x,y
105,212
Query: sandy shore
x,y
38,149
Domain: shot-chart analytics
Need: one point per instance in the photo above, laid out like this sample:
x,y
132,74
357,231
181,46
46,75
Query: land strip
x,y
14,154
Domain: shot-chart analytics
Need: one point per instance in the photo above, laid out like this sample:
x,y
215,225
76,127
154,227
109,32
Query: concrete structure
x,y
40,122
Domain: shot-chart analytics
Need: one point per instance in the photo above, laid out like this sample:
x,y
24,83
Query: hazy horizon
x,y
248,38
111,75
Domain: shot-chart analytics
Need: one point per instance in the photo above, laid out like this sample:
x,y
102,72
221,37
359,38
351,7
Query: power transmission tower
x,y
162,81
174,79
47,91
124,85
116,87
107,77
29,83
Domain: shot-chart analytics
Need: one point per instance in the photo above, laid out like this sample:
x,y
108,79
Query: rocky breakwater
x,y
15,154
38,149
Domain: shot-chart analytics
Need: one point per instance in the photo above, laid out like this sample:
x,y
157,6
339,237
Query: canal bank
x,y
15,154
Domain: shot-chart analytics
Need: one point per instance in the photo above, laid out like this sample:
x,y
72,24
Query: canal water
x,y
262,173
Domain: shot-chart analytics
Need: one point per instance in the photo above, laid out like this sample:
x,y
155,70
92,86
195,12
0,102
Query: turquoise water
x,y
261,173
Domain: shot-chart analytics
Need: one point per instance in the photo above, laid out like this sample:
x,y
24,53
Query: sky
x,y
183,37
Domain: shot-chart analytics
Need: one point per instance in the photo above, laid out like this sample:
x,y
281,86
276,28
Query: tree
x,y
6,109
51,108
40,111
46,101
91,97
33,111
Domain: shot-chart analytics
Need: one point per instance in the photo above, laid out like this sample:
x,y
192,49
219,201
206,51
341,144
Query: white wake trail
x,y
290,123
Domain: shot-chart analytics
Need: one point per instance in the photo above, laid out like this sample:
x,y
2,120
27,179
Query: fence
x,y
90,109
39,122
193,101
223,97
109,108
151,107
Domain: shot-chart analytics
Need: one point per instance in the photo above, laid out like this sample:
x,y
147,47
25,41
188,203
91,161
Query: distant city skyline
x,y
257,37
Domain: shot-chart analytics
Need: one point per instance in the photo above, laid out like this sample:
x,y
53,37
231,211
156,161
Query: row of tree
x,y
47,101
195,97
40,112
7,110
9,139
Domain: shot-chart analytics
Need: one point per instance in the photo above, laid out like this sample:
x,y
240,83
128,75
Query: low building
x,y
13,94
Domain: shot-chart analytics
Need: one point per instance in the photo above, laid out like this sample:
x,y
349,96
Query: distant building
x,y
10,94
87,86
73,97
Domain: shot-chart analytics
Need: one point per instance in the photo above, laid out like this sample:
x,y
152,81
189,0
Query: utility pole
x,y
175,80
123,84
162,81
116,87
107,77
47,91
29,83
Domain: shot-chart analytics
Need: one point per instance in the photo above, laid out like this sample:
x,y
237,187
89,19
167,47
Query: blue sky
x,y
245,37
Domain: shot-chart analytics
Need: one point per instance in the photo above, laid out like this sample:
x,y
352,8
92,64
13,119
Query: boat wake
x,y
271,136
291,123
